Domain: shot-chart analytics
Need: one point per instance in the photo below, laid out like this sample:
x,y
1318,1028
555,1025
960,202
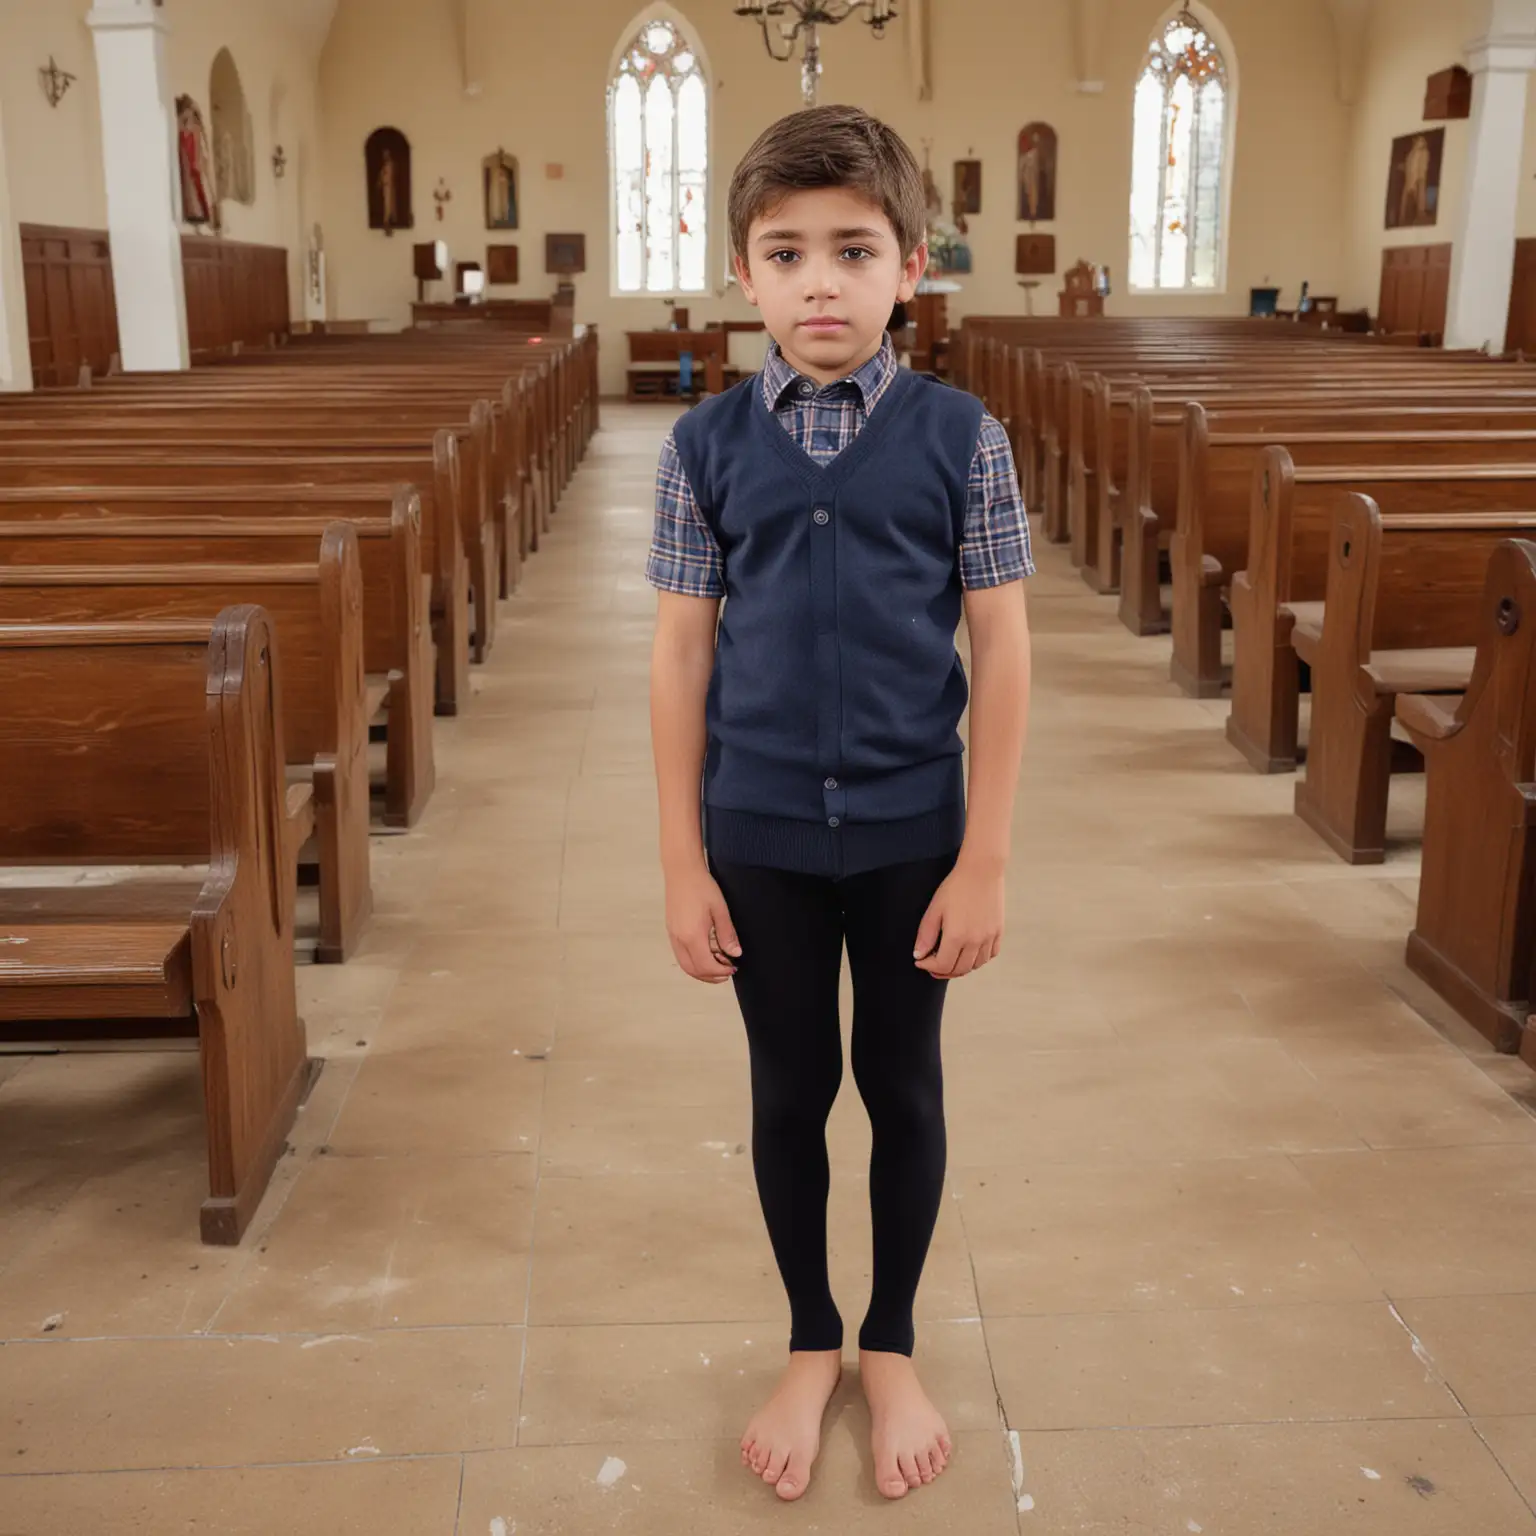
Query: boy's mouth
x,y
823,324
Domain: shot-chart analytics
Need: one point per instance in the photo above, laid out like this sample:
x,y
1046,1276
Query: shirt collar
x,y
870,379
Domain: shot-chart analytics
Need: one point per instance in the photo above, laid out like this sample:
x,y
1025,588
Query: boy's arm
x,y
682,658
963,927
998,624
686,568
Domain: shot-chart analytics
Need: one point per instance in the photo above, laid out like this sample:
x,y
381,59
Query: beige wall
x,y
54,154
1406,42
996,64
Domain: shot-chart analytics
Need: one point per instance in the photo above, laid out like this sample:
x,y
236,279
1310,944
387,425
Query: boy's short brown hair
x,y
829,147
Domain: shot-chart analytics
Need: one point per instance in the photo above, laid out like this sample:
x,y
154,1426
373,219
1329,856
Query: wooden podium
x,y
1080,299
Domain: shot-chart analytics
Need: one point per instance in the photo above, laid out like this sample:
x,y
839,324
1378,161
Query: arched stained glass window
x,y
658,120
1180,159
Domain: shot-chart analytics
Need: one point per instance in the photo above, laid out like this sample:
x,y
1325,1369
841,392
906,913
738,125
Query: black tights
x,y
792,928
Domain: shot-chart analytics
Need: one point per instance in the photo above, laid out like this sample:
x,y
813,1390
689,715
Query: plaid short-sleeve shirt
x,y
824,419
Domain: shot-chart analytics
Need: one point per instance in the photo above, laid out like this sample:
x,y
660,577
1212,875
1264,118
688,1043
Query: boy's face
x,y
826,270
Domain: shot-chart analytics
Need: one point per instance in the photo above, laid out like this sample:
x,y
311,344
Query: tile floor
x,y
1241,1235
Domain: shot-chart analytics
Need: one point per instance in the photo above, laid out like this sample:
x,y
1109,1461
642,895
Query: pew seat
x,y
66,969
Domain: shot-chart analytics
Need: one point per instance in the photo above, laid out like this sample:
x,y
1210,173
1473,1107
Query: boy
x,y
847,508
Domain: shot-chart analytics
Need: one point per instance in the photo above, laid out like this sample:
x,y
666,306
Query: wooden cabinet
x,y
235,293
71,310
929,312
1521,333
1415,287
1448,95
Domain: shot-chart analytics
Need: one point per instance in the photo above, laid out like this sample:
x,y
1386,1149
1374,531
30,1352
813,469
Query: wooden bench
x,y
1215,513
1401,616
158,744
1155,427
655,362
147,524
1289,552
1474,938
1132,494
243,430
434,478
315,610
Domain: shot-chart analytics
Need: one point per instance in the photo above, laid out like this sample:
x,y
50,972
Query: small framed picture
x,y
967,186
565,253
1034,255
501,263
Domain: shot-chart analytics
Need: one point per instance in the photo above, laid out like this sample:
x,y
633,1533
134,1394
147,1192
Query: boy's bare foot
x,y
910,1439
783,1440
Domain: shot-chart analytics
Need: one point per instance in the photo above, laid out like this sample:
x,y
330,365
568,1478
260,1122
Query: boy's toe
x,y
796,1478
908,1465
773,1470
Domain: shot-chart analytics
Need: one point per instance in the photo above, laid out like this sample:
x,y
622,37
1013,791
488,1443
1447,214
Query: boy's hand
x,y
963,927
699,926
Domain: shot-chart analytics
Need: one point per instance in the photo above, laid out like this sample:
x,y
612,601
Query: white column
x,y
1483,253
15,354
138,144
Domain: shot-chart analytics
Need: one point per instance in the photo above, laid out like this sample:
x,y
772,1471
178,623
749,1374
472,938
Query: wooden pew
x,y
1155,429
148,524
1289,544
1120,483
1402,615
1054,412
315,610
153,744
434,478
1474,938
1215,511
246,429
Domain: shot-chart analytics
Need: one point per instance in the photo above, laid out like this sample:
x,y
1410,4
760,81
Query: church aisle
x,y
1239,1220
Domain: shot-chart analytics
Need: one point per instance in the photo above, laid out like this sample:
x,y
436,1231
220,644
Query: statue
x,y
198,203
500,191
387,158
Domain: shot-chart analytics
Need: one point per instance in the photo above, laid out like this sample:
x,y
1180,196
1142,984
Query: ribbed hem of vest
x,y
811,848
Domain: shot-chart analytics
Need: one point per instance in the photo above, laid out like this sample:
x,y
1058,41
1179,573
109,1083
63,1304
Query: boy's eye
x,y
787,257
858,252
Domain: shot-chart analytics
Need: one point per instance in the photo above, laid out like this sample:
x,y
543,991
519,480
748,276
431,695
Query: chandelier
x,y
804,17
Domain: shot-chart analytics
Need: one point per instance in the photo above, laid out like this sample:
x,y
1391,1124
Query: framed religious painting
x,y
565,253
1034,255
1413,179
501,263
967,186
1037,172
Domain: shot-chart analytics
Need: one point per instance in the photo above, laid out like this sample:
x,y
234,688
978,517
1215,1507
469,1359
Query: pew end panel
x,y
152,744
1197,576
1474,935
1265,674
1141,592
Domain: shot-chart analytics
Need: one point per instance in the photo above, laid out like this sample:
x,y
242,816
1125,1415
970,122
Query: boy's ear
x,y
912,271
744,277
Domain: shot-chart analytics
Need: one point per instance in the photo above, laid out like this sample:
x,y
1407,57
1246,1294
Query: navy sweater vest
x,y
837,691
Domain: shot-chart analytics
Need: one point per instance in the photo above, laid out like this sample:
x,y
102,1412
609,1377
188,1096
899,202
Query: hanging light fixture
x,y
788,22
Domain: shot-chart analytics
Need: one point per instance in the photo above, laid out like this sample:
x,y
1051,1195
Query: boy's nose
x,y
821,279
